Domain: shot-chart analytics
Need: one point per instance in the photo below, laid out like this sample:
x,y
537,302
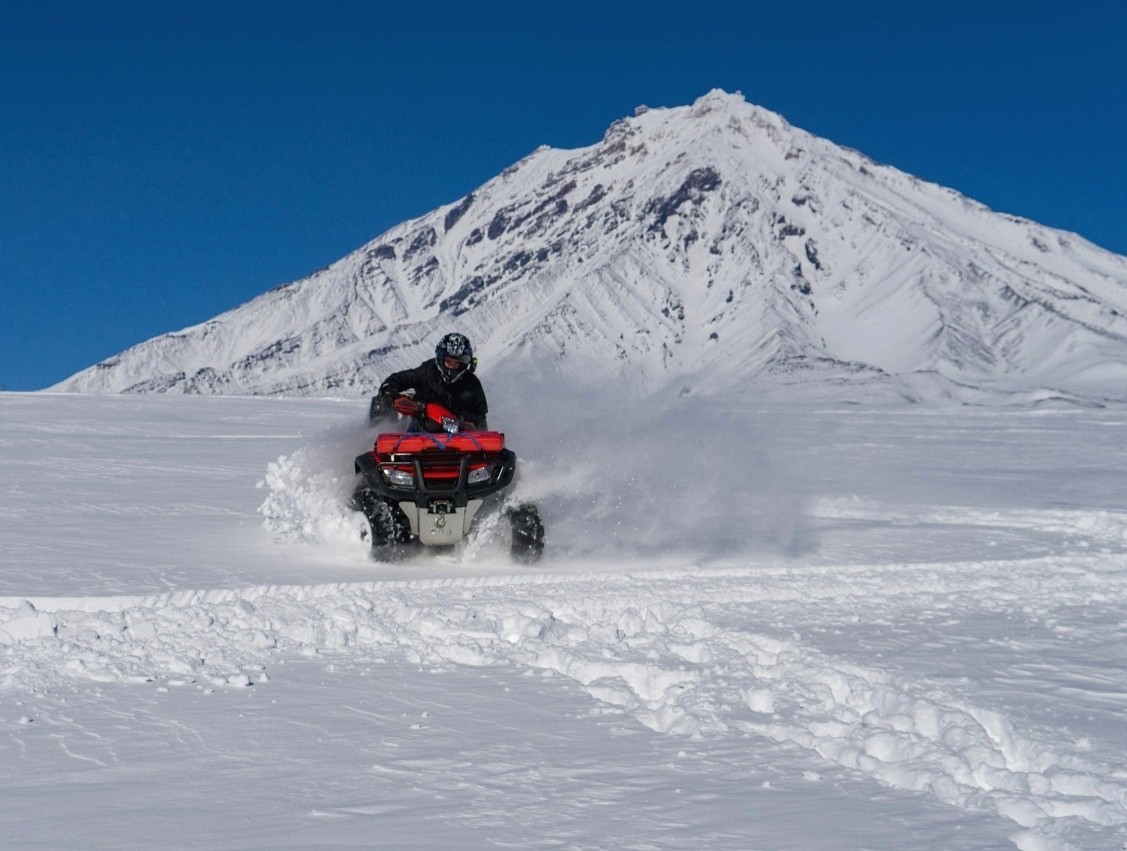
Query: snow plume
x,y
308,490
612,475
653,476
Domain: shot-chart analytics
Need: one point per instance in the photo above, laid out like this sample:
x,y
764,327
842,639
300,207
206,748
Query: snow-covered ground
x,y
758,627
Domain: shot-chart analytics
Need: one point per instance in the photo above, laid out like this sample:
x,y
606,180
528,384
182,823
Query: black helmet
x,y
454,355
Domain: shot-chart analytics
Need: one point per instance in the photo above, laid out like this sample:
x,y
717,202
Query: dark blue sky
x,y
161,162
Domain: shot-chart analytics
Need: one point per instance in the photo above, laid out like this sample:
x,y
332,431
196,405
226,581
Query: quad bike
x,y
426,487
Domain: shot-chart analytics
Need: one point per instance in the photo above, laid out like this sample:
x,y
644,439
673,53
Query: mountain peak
x,y
704,246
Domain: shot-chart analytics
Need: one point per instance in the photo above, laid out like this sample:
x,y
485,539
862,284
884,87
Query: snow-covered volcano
x,y
696,248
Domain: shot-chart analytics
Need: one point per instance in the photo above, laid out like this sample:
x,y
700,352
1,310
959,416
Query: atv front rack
x,y
438,472
413,443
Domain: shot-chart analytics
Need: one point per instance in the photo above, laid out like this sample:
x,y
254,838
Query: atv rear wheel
x,y
528,533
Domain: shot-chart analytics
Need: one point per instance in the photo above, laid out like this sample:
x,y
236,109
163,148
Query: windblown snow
x,y
758,625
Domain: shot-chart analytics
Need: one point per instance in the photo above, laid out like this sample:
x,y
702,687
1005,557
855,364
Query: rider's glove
x,y
407,406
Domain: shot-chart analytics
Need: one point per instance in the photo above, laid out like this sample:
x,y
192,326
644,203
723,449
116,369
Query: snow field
x,y
680,652
902,629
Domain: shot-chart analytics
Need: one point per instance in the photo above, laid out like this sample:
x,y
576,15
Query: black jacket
x,y
464,398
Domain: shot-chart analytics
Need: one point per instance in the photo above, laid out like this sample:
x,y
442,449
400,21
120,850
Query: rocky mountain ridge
x,y
693,249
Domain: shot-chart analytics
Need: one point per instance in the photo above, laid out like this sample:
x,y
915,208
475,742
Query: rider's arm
x,y
472,405
398,382
393,385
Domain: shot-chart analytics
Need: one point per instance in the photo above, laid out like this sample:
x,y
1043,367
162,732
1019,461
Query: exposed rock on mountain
x,y
702,248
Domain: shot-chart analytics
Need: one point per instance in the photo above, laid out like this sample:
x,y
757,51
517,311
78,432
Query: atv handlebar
x,y
430,413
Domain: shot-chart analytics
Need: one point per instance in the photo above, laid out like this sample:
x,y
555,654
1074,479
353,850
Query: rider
x,y
448,380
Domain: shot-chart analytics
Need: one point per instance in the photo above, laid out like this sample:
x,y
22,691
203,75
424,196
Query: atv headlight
x,y
397,477
479,475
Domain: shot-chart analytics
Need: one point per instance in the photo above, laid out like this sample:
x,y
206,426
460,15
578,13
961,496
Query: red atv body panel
x,y
414,443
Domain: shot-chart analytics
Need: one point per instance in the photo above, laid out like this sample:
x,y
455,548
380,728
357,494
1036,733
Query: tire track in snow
x,y
686,652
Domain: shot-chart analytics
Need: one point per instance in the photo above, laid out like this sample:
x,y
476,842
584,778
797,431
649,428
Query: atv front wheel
x,y
528,533
388,529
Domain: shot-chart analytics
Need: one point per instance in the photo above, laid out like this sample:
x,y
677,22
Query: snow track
x,y
778,653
